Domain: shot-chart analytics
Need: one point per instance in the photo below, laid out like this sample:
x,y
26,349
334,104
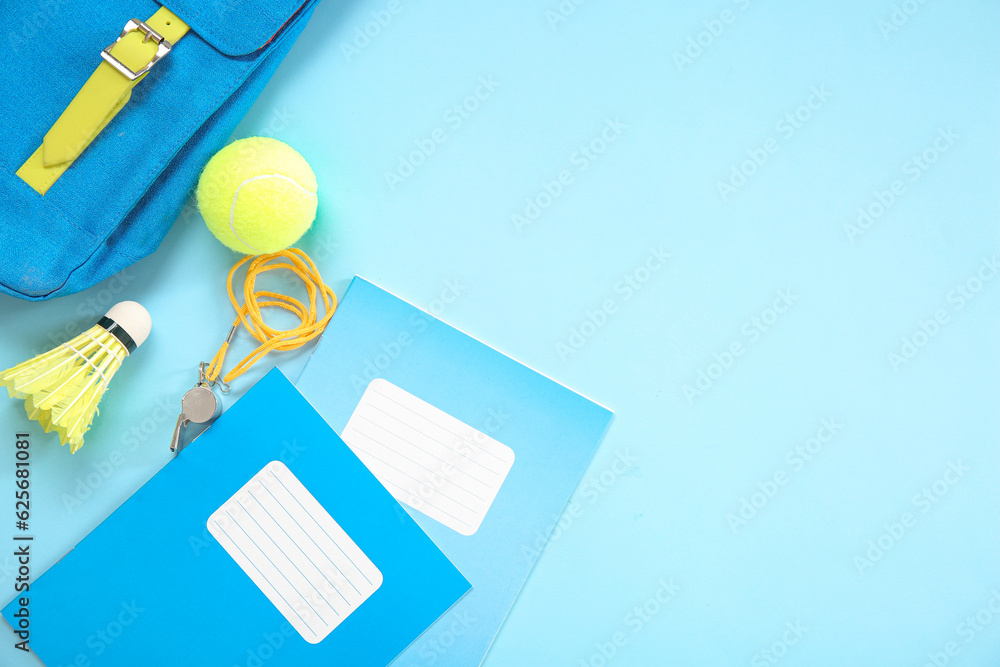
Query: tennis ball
x,y
257,195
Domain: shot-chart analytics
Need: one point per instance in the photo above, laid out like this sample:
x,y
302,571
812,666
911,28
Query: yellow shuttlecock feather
x,y
62,388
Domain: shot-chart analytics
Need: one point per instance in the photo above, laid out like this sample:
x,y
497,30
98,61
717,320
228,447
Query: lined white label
x,y
426,458
294,551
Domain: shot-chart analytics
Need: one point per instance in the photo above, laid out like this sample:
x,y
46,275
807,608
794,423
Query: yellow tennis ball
x,y
257,195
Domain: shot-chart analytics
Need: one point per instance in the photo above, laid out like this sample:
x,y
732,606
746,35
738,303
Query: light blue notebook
x,y
266,541
482,451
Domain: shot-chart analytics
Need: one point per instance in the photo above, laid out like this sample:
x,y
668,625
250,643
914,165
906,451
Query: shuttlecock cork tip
x,y
133,318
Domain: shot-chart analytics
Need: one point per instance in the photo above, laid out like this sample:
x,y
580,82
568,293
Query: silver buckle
x,y
162,49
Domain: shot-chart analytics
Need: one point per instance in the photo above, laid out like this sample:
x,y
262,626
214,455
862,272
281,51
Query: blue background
x,y
447,228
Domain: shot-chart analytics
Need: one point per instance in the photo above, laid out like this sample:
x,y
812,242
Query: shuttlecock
x,y
62,387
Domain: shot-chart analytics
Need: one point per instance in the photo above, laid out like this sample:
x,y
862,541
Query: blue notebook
x,y
483,452
266,541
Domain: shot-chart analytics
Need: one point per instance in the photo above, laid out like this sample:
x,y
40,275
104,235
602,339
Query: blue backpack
x,y
116,201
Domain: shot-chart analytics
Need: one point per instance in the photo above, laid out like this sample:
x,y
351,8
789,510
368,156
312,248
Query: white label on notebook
x,y
426,458
295,552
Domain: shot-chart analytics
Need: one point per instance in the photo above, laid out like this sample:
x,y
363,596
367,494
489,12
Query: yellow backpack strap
x,y
125,63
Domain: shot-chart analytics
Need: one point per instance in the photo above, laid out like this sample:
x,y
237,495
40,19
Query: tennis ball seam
x,y
236,193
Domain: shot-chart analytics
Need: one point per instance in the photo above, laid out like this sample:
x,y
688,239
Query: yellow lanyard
x,y
249,313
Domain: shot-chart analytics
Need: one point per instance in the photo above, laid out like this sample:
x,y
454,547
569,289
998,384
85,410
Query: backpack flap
x,y
236,27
